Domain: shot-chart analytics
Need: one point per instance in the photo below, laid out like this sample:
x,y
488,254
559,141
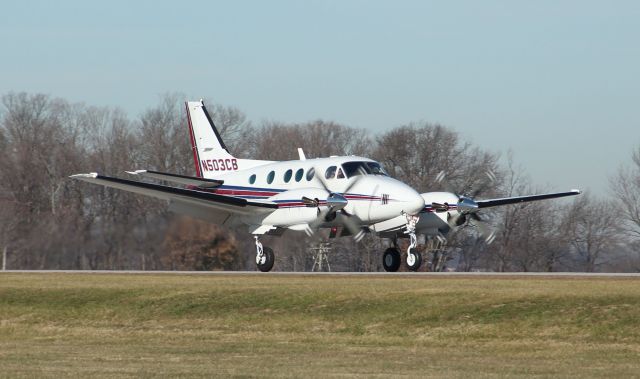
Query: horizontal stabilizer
x,y
180,179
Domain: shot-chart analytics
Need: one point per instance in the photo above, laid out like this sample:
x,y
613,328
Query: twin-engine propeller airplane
x,y
351,194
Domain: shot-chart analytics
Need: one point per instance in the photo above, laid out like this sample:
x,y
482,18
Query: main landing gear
x,y
391,258
264,256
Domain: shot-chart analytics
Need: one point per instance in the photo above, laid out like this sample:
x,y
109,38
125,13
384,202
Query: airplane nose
x,y
414,203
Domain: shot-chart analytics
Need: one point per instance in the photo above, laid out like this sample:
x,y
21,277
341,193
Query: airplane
x,y
349,195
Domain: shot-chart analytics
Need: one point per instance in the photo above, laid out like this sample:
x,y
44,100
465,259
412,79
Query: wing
x,y
180,179
204,205
521,199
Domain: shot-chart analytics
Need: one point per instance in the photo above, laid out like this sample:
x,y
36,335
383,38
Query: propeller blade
x,y
322,180
453,219
461,219
353,228
356,179
314,225
484,230
335,203
441,179
491,178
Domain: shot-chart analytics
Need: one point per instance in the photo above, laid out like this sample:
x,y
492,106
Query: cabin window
x,y
299,174
310,174
330,173
252,179
270,177
287,175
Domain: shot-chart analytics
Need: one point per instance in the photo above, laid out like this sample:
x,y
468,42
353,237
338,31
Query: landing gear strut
x,y
414,258
264,256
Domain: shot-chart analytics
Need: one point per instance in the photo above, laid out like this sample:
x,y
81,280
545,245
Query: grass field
x,y
88,325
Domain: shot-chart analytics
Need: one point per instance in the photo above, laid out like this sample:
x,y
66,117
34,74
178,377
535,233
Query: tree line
x,y
48,221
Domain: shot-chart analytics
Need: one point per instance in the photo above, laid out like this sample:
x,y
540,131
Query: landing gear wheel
x,y
265,263
391,260
414,260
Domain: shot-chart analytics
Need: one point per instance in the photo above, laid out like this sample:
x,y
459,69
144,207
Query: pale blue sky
x,y
557,82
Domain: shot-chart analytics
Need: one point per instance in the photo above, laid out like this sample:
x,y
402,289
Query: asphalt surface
x,y
282,273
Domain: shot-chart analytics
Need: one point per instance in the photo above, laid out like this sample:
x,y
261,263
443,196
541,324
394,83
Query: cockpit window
x,y
330,173
363,168
340,174
377,169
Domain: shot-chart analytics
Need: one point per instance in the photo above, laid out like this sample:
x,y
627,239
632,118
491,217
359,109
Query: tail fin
x,y
210,154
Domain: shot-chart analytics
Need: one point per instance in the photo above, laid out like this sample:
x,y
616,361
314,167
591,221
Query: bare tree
x,y
279,141
417,153
233,126
626,189
41,150
592,228
164,139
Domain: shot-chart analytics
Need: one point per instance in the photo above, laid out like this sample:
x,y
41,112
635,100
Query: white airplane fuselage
x,y
372,198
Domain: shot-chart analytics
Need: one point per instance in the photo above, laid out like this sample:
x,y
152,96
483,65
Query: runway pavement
x,y
282,273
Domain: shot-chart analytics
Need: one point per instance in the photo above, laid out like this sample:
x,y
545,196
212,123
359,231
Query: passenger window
x,y
252,179
310,174
270,177
330,173
299,174
340,174
287,176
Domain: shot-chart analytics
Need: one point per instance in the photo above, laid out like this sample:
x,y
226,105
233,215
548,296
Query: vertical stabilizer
x,y
210,154
209,151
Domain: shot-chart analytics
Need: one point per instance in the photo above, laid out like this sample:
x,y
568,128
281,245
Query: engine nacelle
x,y
292,210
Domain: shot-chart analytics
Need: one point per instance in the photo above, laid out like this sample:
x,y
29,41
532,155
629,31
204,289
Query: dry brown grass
x,y
78,325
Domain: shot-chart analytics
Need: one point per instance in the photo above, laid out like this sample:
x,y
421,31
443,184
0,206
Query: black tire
x,y
417,263
391,260
269,259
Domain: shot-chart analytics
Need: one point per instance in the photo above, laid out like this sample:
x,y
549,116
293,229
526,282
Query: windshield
x,y
363,168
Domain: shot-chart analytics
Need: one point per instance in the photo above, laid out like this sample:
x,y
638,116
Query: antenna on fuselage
x,y
301,154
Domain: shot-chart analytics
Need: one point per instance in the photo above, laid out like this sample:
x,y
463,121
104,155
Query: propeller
x,y
335,203
467,208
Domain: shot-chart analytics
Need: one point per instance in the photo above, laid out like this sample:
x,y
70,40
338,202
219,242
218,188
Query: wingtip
x,y
136,172
91,175
576,191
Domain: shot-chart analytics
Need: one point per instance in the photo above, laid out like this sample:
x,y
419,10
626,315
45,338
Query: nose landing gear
x,y
414,258
391,257
264,256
